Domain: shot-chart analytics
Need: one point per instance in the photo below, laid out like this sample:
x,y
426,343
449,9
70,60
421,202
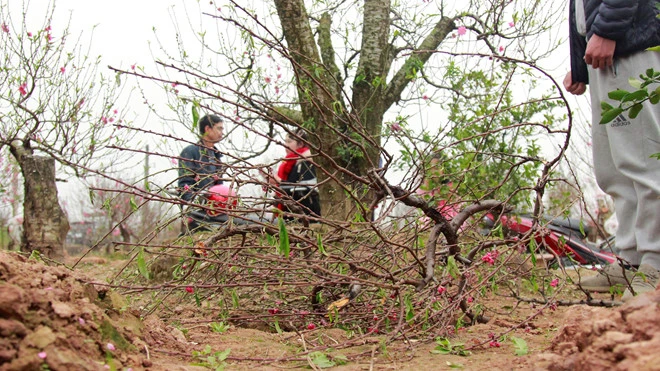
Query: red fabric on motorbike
x,y
221,199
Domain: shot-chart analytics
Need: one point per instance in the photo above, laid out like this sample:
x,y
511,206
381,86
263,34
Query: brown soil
x,y
52,318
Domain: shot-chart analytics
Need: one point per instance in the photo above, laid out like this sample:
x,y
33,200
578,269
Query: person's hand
x,y
600,52
576,88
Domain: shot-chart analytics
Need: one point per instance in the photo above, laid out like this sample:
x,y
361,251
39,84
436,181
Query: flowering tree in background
x,y
54,108
354,83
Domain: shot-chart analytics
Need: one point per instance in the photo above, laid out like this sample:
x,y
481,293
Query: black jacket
x,y
199,168
301,186
631,23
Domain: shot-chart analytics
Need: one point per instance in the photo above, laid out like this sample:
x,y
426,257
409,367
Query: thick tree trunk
x,y
336,127
46,224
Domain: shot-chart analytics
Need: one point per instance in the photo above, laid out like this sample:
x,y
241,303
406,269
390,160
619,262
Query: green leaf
x,y
285,247
321,360
195,115
654,48
221,356
219,327
106,205
635,96
234,299
277,327
520,346
605,106
319,242
610,115
634,83
618,94
142,265
446,347
634,110
198,300
340,359
452,267
134,205
35,255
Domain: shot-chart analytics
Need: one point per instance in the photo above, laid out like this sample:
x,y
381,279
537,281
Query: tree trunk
x,y
46,224
322,101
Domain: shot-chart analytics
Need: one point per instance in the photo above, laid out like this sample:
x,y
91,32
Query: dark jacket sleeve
x,y
188,168
578,44
614,18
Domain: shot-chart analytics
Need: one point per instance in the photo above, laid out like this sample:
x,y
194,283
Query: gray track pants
x,y
622,162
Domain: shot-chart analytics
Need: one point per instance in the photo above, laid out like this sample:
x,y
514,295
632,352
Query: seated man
x,y
200,164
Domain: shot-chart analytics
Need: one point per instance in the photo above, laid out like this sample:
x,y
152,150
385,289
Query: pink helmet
x,y
221,199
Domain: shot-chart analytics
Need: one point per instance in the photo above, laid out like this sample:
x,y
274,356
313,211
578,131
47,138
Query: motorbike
x,y
217,205
564,238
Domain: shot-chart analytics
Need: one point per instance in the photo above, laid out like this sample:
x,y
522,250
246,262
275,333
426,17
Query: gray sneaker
x,y
608,278
645,280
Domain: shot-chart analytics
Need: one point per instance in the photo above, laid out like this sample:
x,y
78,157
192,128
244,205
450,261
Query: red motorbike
x,y
563,238
217,205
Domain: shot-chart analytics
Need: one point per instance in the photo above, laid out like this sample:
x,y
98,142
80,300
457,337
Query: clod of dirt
x,y
624,338
51,317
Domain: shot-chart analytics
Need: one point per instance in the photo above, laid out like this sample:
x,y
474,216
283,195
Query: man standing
x,y
200,165
608,40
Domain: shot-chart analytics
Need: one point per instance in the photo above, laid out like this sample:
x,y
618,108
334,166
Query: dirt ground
x,y
53,318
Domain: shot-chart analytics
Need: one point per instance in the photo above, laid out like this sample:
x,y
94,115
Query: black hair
x,y
206,121
299,135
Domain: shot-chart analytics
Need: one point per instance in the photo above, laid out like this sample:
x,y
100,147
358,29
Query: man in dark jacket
x,y
200,165
608,40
